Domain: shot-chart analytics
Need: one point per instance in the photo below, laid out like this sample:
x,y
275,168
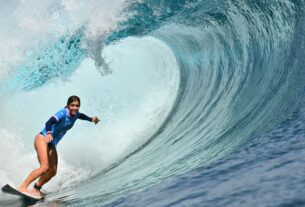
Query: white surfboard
x,y
11,190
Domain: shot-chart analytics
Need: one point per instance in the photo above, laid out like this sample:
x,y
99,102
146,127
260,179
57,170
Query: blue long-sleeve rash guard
x,y
60,123
53,120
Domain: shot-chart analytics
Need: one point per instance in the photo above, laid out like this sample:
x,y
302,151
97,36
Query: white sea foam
x,y
28,26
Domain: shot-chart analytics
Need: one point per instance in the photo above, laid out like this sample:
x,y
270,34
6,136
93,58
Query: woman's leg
x,y
41,148
46,177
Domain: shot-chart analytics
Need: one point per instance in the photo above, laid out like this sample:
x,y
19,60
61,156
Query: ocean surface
x,y
202,102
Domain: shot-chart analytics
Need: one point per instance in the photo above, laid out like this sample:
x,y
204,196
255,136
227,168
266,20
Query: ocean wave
x,y
190,82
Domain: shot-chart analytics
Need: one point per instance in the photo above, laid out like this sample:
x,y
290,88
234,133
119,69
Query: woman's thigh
x,y
53,160
41,148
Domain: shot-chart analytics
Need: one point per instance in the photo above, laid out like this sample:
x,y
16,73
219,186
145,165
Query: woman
x,y
45,142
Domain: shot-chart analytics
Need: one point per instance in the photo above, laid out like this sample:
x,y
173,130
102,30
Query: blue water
x,y
207,105
267,171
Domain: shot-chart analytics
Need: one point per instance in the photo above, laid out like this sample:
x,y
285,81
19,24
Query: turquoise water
x,y
201,102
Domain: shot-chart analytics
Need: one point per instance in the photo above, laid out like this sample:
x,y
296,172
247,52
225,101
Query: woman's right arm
x,y
49,123
53,120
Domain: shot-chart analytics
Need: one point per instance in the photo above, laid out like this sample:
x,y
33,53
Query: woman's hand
x,y
95,119
49,138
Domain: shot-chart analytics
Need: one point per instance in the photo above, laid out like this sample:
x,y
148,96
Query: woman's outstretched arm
x,y
87,118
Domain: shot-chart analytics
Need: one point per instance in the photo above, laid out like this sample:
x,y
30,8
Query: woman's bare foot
x,y
23,190
37,192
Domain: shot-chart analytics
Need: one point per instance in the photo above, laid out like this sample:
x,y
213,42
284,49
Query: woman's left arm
x,y
87,118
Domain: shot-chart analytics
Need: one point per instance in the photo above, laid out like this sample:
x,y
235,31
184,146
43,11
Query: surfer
x,y
45,144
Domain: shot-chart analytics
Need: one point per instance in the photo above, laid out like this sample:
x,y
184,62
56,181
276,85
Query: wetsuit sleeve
x,y
50,122
84,117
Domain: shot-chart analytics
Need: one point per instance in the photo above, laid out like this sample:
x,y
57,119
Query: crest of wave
x,y
28,26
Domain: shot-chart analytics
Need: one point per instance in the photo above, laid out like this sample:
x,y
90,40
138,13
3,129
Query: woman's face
x,y
74,107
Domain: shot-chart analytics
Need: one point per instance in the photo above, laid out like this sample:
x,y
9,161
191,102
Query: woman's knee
x,y
44,168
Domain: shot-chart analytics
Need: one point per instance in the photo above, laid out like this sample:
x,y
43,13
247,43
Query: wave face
x,y
185,89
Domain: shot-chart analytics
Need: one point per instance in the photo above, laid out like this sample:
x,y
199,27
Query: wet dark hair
x,y
71,99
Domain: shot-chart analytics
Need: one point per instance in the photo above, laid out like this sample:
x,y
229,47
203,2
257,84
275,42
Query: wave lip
x,y
34,33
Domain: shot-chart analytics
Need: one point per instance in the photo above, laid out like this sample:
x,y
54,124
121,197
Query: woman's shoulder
x,y
61,113
63,110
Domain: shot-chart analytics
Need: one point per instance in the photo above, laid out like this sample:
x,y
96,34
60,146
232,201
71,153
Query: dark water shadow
x,y
19,202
